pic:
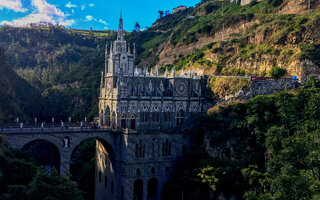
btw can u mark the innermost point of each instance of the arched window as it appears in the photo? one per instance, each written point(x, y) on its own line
point(152, 189)
point(101, 117)
point(166, 148)
point(180, 117)
point(140, 149)
point(167, 169)
point(113, 120)
point(123, 121)
point(153, 170)
point(133, 122)
point(167, 116)
point(138, 190)
point(156, 116)
point(138, 172)
point(108, 120)
point(144, 116)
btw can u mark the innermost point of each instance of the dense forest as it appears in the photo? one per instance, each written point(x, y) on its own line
point(264, 148)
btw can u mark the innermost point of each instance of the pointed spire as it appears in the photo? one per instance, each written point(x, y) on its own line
point(166, 72)
point(136, 72)
point(120, 30)
point(174, 71)
point(106, 59)
point(101, 83)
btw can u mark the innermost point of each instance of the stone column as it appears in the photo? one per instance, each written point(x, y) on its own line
point(64, 167)
point(145, 189)
point(65, 161)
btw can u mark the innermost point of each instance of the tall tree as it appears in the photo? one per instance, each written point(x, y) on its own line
point(136, 27)
point(160, 13)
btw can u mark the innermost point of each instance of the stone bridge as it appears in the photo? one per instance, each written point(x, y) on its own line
point(129, 165)
point(64, 141)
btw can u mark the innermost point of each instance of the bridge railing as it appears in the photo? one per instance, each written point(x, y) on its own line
point(48, 127)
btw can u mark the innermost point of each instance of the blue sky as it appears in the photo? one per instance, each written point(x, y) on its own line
point(83, 14)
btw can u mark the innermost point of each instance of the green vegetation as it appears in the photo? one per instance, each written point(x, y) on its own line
point(21, 178)
point(265, 148)
point(276, 72)
point(83, 167)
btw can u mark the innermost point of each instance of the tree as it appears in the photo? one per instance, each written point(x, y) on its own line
point(160, 13)
point(136, 27)
point(50, 186)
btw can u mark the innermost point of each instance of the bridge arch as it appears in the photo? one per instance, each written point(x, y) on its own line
point(45, 152)
point(49, 140)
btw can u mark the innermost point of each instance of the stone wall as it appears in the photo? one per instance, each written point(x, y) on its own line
point(260, 87)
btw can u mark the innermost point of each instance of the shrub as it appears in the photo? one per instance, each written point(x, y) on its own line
point(277, 72)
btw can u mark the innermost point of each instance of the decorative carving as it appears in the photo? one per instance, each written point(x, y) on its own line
point(181, 88)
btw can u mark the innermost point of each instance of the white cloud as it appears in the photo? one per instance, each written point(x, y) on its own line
point(44, 13)
point(83, 6)
point(44, 7)
point(70, 5)
point(89, 18)
point(103, 22)
point(32, 18)
point(91, 4)
point(15, 5)
point(68, 22)
point(72, 11)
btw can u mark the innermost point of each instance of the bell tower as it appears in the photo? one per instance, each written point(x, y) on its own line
point(120, 60)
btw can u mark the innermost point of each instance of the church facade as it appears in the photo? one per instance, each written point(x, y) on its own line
point(133, 104)
point(134, 99)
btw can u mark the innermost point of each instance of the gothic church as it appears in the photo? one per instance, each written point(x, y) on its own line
point(134, 99)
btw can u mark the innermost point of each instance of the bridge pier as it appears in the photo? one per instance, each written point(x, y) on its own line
point(64, 168)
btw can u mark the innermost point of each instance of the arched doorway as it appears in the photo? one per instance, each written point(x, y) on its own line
point(123, 121)
point(180, 117)
point(152, 189)
point(138, 190)
point(133, 122)
point(44, 153)
point(108, 121)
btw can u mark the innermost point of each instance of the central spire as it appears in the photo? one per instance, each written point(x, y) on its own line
point(120, 30)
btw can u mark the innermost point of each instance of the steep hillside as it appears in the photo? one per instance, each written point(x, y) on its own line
point(228, 38)
point(64, 65)
point(17, 97)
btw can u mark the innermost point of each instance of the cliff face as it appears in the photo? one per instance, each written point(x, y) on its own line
point(168, 53)
point(251, 40)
